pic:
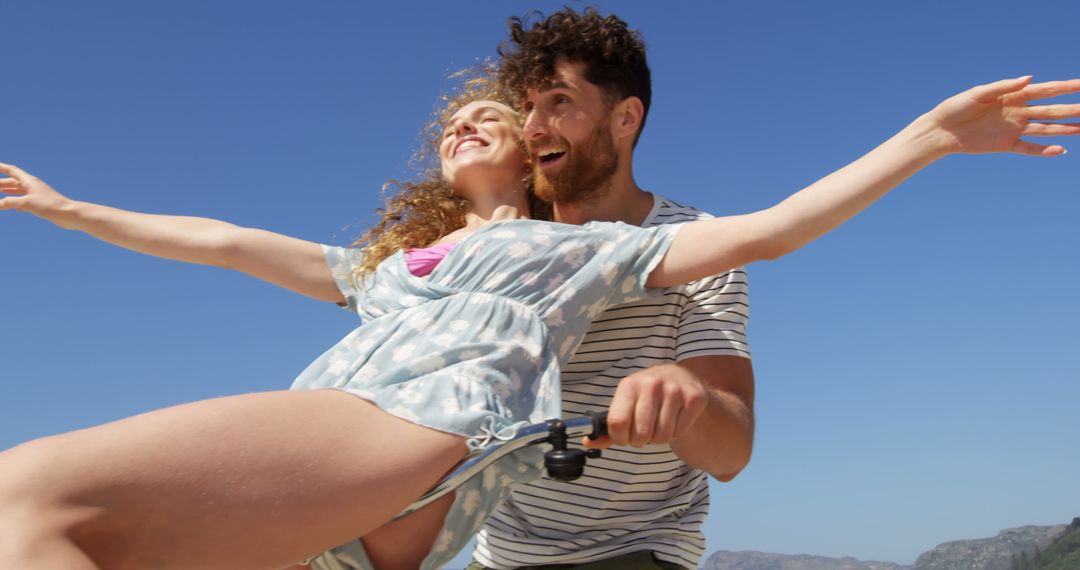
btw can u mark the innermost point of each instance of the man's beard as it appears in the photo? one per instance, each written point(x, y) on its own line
point(587, 174)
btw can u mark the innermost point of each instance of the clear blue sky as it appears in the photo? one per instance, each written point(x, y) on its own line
point(918, 377)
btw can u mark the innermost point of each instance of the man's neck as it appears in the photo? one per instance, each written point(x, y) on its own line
point(623, 202)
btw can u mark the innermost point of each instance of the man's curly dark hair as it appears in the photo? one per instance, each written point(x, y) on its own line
point(613, 54)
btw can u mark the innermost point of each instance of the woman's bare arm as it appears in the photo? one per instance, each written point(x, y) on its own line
point(292, 263)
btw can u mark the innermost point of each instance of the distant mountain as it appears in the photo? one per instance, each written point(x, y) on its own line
point(1025, 548)
point(988, 553)
point(751, 560)
point(1062, 554)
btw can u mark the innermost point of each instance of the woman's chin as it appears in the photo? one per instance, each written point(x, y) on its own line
point(487, 175)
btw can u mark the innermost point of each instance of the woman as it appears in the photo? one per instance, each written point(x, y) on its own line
point(263, 480)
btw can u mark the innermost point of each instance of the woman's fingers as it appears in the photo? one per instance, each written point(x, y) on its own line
point(992, 91)
point(12, 203)
point(15, 172)
point(12, 186)
point(1033, 149)
point(1053, 112)
point(1050, 89)
point(1051, 129)
point(16, 185)
point(1057, 112)
point(25, 192)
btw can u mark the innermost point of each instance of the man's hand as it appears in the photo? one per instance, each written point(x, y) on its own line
point(703, 407)
point(655, 405)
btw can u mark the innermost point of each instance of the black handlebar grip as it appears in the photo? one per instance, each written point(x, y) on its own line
point(599, 422)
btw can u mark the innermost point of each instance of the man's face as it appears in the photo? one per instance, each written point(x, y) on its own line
point(568, 136)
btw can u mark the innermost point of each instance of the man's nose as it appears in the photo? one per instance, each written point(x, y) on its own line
point(535, 125)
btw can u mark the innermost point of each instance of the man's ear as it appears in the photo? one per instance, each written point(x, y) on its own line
point(626, 117)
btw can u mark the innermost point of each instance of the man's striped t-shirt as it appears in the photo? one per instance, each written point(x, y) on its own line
point(631, 499)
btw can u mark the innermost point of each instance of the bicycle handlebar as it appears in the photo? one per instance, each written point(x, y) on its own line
point(562, 463)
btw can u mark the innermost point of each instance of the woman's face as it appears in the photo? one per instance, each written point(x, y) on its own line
point(482, 141)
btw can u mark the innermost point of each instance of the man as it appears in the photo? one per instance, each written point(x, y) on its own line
point(674, 369)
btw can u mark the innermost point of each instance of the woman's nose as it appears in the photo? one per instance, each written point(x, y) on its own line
point(465, 128)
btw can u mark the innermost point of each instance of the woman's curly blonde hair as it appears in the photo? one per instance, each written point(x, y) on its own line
point(425, 208)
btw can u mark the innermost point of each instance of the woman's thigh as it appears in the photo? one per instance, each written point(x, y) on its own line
point(252, 481)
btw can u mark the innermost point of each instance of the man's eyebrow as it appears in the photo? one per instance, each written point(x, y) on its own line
point(549, 85)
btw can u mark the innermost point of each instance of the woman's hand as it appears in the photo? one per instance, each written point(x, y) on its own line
point(28, 193)
point(993, 117)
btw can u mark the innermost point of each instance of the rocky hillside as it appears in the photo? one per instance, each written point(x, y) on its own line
point(998, 553)
point(1062, 554)
point(988, 553)
point(750, 560)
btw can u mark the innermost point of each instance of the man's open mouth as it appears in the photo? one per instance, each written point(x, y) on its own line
point(549, 157)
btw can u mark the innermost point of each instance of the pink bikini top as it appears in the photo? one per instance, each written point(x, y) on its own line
point(422, 260)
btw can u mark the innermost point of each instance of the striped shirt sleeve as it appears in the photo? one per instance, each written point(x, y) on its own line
point(714, 317)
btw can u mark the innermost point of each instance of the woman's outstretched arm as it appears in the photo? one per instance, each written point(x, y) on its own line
point(292, 263)
point(988, 118)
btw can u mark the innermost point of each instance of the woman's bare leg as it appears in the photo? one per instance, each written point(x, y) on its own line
point(406, 542)
point(255, 481)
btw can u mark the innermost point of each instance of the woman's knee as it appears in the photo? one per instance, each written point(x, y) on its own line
point(25, 474)
point(33, 513)
point(44, 485)
point(47, 480)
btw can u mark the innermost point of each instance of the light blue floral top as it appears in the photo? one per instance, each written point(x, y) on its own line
point(475, 348)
